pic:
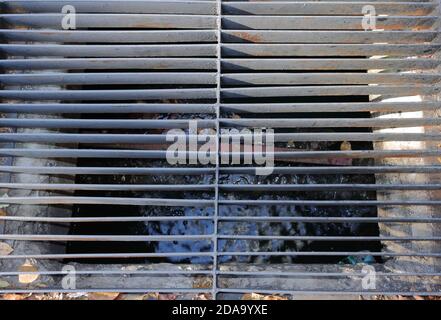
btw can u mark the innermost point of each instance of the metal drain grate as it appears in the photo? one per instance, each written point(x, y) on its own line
point(344, 103)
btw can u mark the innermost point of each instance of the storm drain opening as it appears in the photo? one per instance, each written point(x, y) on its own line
point(232, 186)
point(345, 119)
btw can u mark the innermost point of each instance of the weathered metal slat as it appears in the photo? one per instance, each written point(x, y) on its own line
point(107, 219)
point(162, 138)
point(223, 170)
point(342, 1)
point(112, 170)
point(321, 50)
point(319, 187)
point(325, 8)
point(133, 238)
point(227, 64)
point(178, 78)
point(107, 255)
point(308, 36)
point(254, 219)
point(210, 93)
point(229, 50)
point(343, 90)
point(105, 123)
point(113, 187)
point(162, 154)
point(333, 170)
point(224, 187)
point(111, 21)
point(103, 138)
point(106, 108)
point(243, 64)
point(326, 203)
point(111, 272)
point(325, 22)
point(45, 50)
point(329, 123)
point(208, 254)
point(114, 63)
point(328, 107)
point(330, 292)
point(234, 79)
point(331, 254)
point(250, 219)
point(355, 136)
point(57, 237)
point(325, 238)
point(80, 36)
point(356, 154)
point(120, 95)
point(118, 289)
point(323, 274)
point(115, 6)
point(110, 201)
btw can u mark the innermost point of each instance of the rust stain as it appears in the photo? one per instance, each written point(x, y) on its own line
point(248, 36)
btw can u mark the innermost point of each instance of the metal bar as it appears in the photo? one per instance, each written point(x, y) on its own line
point(161, 138)
point(255, 219)
point(112, 21)
point(57, 237)
point(330, 123)
point(106, 108)
point(119, 290)
point(109, 170)
point(179, 78)
point(322, 238)
point(352, 136)
point(84, 51)
point(104, 123)
point(105, 255)
point(116, 63)
point(319, 187)
point(117, 36)
point(324, 64)
point(333, 253)
point(243, 219)
point(356, 154)
point(109, 200)
point(325, 203)
point(321, 50)
point(112, 187)
point(214, 284)
point(161, 154)
point(207, 254)
point(223, 273)
point(97, 138)
point(331, 292)
point(223, 170)
point(313, 36)
point(122, 272)
point(246, 79)
point(325, 22)
point(336, 170)
point(326, 8)
point(203, 123)
point(115, 6)
point(325, 274)
point(328, 107)
point(149, 94)
point(299, 91)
